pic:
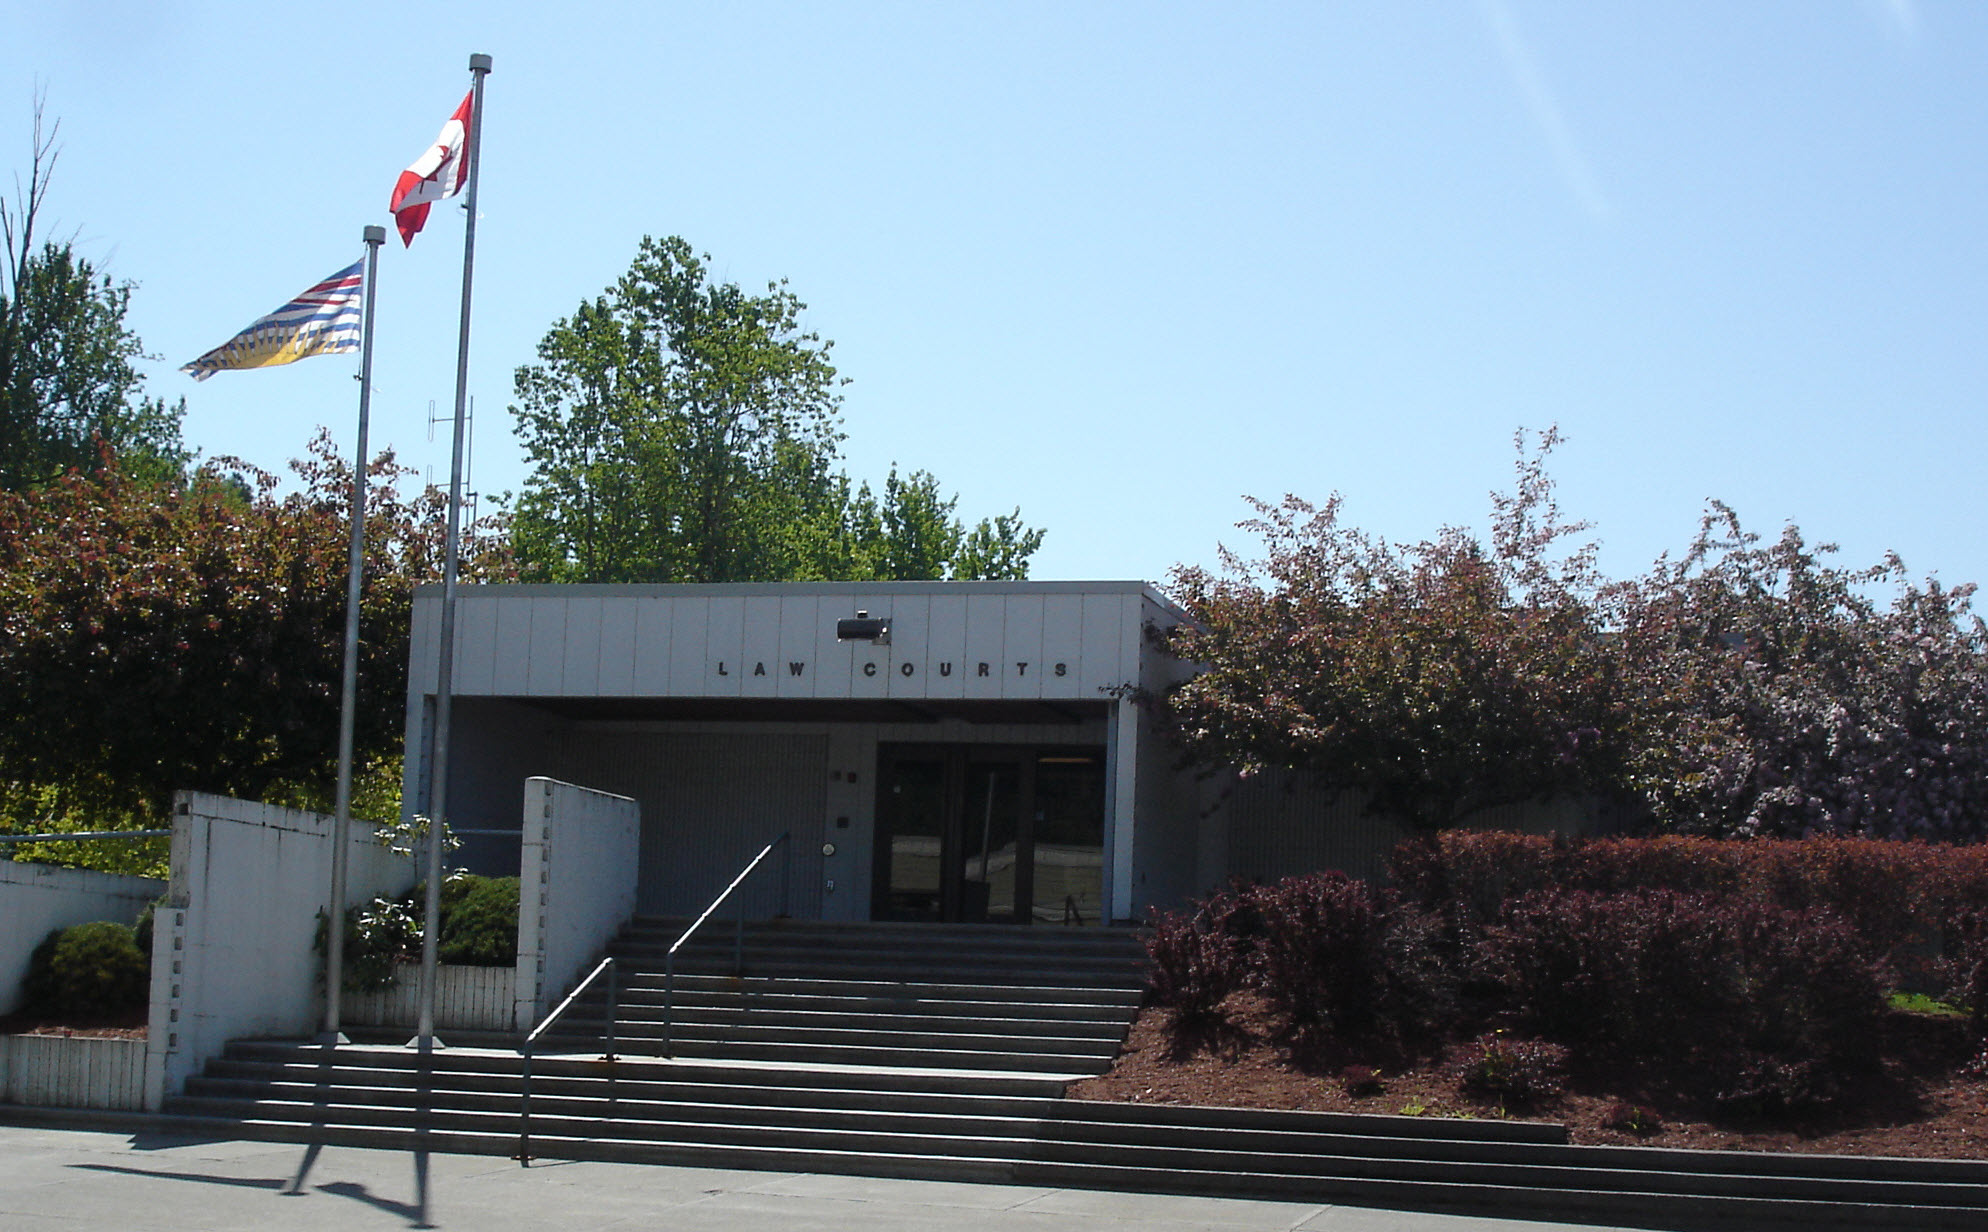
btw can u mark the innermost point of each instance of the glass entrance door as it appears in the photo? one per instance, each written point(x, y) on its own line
point(964, 832)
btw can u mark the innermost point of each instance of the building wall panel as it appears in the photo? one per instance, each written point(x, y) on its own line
point(708, 802)
point(545, 652)
point(580, 649)
point(724, 642)
point(800, 617)
point(620, 628)
point(911, 647)
point(1021, 666)
point(986, 641)
point(476, 647)
point(945, 642)
point(511, 667)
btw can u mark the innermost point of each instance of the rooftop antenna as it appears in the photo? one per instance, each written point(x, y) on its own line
point(469, 451)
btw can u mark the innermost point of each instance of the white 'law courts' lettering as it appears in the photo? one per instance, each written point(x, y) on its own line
point(903, 669)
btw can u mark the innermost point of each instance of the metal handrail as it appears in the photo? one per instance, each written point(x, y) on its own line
point(606, 965)
point(738, 936)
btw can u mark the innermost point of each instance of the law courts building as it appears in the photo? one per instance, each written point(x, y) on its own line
point(943, 751)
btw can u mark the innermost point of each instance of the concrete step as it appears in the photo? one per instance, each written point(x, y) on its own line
point(989, 954)
point(638, 1121)
point(930, 1055)
point(988, 971)
point(1053, 1000)
point(378, 1087)
point(831, 1119)
point(1602, 1204)
point(790, 1082)
point(1006, 1035)
point(1106, 1033)
point(843, 1000)
point(724, 927)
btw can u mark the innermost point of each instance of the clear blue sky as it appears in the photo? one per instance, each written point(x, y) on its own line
point(1122, 263)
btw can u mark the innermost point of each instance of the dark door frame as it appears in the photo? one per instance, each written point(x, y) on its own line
point(953, 903)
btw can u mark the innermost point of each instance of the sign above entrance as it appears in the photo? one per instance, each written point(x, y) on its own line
point(1010, 641)
point(983, 670)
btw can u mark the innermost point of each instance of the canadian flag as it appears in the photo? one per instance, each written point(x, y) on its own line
point(435, 176)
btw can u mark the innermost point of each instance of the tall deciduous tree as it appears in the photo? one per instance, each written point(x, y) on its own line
point(155, 638)
point(682, 429)
point(1770, 693)
point(1439, 679)
point(67, 374)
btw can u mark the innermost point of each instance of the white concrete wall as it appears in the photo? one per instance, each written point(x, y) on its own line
point(576, 887)
point(232, 952)
point(52, 1071)
point(37, 899)
point(466, 999)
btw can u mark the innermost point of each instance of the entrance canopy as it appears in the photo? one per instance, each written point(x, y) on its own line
point(735, 712)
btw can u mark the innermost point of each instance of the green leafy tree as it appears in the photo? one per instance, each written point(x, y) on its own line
point(154, 639)
point(681, 429)
point(67, 361)
point(912, 534)
point(1439, 679)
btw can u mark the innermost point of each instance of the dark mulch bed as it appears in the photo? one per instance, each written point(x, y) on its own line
point(1918, 1100)
point(128, 1025)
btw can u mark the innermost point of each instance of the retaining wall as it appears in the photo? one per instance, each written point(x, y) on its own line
point(53, 1071)
point(581, 856)
point(232, 953)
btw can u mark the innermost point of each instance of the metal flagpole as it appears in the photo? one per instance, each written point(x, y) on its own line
point(341, 830)
point(438, 761)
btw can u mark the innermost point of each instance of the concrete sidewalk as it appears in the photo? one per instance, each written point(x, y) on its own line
point(72, 1180)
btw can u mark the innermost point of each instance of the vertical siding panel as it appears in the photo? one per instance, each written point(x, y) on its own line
point(759, 653)
point(984, 644)
point(945, 642)
point(546, 648)
point(421, 643)
point(512, 667)
point(654, 633)
point(1280, 825)
point(1021, 643)
point(580, 649)
point(1103, 665)
point(476, 645)
point(869, 667)
point(910, 646)
point(724, 642)
point(617, 658)
point(691, 666)
point(800, 627)
point(1063, 642)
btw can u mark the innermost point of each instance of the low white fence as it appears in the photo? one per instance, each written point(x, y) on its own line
point(54, 1071)
point(466, 998)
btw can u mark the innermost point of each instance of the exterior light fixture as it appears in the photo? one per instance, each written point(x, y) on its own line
point(863, 628)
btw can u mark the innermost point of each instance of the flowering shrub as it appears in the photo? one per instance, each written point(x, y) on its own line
point(1966, 967)
point(1632, 1119)
point(1759, 993)
point(1192, 963)
point(1360, 1081)
point(1515, 1072)
point(1900, 897)
point(1329, 951)
point(479, 928)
